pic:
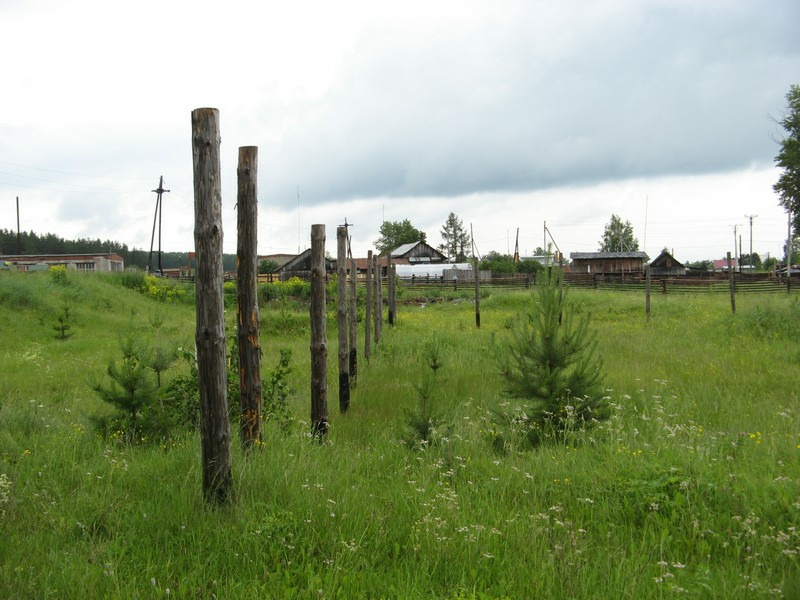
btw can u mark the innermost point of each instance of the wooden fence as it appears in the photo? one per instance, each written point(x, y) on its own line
point(758, 283)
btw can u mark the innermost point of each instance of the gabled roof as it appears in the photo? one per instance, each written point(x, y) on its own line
point(606, 255)
point(418, 252)
point(302, 262)
point(664, 258)
point(404, 249)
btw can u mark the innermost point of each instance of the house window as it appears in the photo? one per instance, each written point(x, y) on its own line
point(85, 267)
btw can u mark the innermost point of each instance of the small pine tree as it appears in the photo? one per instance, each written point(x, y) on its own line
point(131, 387)
point(63, 323)
point(550, 360)
point(423, 427)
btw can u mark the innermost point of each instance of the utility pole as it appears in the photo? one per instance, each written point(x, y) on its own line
point(735, 242)
point(740, 253)
point(156, 218)
point(751, 217)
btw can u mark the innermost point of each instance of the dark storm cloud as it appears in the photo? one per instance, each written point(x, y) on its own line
point(527, 102)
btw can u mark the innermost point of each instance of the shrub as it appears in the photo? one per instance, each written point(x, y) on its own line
point(276, 391)
point(58, 275)
point(133, 280)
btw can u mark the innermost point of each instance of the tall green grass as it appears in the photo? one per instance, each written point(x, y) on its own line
point(691, 488)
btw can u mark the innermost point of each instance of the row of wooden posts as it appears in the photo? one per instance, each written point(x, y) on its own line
point(731, 284)
point(215, 430)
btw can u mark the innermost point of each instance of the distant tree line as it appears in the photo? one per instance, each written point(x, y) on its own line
point(50, 243)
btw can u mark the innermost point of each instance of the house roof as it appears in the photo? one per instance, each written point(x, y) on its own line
point(419, 252)
point(663, 258)
point(302, 262)
point(404, 249)
point(279, 259)
point(606, 255)
point(722, 263)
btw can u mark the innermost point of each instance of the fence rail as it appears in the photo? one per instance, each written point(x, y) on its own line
point(743, 283)
point(746, 283)
point(510, 282)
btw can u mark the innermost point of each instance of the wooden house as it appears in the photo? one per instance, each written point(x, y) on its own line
point(300, 266)
point(605, 263)
point(666, 265)
point(418, 253)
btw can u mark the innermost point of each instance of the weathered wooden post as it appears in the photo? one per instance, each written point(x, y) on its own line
point(376, 270)
point(247, 297)
point(215, 427)
point(393, 293)
point(319, 344)
point(477, 292)
point(390, 287)
point(353, 314)
point(647, 291)
point(341, 313)
point(732, 284)
point(368, 308)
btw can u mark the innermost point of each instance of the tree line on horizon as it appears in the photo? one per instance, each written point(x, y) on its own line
point(32, 243)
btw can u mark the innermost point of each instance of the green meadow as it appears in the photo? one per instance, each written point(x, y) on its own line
point(691, 487)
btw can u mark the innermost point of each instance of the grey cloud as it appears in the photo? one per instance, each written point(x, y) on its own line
point(661, 91)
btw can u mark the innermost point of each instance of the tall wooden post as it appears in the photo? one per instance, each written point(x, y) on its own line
point(789, 253)
point(732, 284)
point(393, 293)
point(390, 287)
point(215, 428)
point(368, 308)
point(319, 344)
point(341, 313)
point(353, 316)
point(647, 291)
point(376, 270)
point(247, 316)
point(477, 292)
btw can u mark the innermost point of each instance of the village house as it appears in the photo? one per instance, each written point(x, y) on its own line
point(608, 263)
point(417, 253)
point(666, 265)
point(721, 265)
point(300, 266)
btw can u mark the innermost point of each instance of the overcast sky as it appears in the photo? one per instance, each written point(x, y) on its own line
point(510, 114)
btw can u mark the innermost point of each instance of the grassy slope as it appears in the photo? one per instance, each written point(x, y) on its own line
point(693, 484)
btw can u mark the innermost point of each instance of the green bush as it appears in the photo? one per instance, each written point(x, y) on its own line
point(291, 288)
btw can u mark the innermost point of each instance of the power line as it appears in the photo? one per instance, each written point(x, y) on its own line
point(4, 162)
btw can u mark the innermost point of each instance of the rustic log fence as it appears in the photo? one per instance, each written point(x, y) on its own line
point(745, 283)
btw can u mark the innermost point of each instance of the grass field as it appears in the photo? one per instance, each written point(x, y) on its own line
point(691, 488)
